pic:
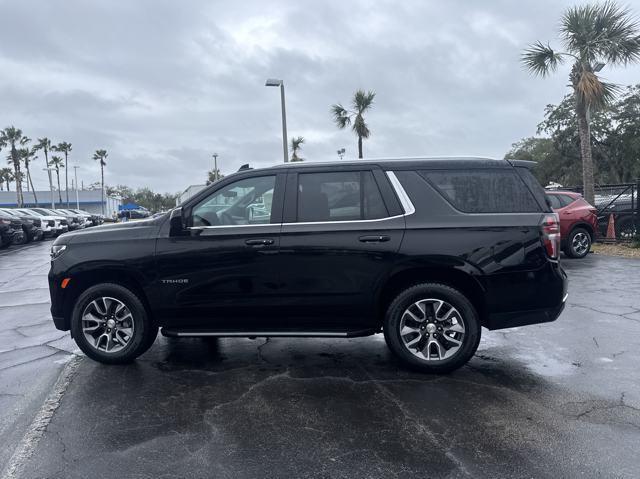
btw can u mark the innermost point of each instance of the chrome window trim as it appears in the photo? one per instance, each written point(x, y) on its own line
point(405, 202)
point(230, 226)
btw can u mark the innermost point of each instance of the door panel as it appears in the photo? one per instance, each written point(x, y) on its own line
point(331, 270)
point(219, 277)
point(329, 274)
point(223, 271)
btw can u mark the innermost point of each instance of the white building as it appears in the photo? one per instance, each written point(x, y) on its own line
point(88, 200)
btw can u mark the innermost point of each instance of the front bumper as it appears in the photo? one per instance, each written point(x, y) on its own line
point(57, 302)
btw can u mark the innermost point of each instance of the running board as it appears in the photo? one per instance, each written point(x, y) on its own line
point(199, 333)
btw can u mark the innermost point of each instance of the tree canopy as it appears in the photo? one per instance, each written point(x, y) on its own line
point(615, 136)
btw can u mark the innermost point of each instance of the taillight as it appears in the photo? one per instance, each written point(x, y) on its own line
point(550, 232)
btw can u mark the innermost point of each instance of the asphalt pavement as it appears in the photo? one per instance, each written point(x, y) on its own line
point(552, 400)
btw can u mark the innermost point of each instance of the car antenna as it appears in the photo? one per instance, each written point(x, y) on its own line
point(245, 167)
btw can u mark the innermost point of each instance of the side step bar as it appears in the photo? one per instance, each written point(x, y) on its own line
point(199, 333)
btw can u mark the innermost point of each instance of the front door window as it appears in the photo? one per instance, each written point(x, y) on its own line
point(244, 202)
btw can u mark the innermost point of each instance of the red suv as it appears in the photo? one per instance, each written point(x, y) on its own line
point(578, 222)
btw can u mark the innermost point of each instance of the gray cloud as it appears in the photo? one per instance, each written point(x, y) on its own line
point(161, 84)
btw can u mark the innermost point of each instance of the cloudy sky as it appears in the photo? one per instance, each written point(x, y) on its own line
point(162, 85)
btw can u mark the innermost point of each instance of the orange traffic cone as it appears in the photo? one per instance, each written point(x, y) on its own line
point(611, 229)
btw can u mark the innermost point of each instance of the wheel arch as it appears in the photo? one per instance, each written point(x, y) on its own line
point(463, 281)
point(82, 280)
point(585, 226)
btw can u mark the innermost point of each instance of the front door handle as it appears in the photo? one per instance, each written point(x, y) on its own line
point(259, 242)
point(374, 239)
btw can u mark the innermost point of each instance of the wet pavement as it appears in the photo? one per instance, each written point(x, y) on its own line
point(554, 400)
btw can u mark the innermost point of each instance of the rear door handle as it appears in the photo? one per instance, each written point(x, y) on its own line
point(259, 242)
point(374, 239)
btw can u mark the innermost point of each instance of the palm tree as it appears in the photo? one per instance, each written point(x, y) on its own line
point(57, 163)
point(296, 145)
point(6, 176)
point(12, 136)
point(65, 148)
point(27, 155)
point(44, 144)
point(592, 35)
point(101, 156)
point(342, 117)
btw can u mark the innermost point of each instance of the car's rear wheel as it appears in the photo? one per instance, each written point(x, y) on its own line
point(578, 243)
point(111, 325)
point(432, 327)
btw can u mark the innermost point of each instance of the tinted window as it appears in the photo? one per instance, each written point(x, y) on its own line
point(566, 200)
point(534, 186)
point(339, 196)
point(244, 202)
point(483, 191)
point(555, 202)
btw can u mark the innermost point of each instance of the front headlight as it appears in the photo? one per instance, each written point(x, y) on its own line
point(57, 250)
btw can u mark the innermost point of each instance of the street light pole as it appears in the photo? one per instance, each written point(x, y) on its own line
point(53, 203)
point(215, 166)
point(75, 172)
point(280, 83)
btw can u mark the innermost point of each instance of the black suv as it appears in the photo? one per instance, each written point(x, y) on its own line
point(426, 251)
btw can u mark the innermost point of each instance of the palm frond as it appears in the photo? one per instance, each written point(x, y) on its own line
point(101, 156)
point(57, 161)
point(340, 116)
point(362, 100)
point(592, 92)
point(541, 59)
point(602, 31)
point(360, 127)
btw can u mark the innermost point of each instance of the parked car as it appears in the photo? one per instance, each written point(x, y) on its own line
point(578, 222)
point(79, 220)
point(624, 207)
point(10, 230)
point(94, 219)
point(426, 251)
point(31, 225)
point(55, 224)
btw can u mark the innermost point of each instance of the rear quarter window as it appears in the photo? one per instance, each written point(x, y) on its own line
point(484, 190)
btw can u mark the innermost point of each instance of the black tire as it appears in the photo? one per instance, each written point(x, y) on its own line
point(576, 249)
point(144, 331)
point(24, 239)
point(406, 298)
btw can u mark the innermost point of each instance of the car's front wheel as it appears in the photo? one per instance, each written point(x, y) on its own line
point(578, 243)
point(111, 325)
point(432, 327)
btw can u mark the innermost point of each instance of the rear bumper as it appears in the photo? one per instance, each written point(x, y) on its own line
point(524, 318)
point(519, 300)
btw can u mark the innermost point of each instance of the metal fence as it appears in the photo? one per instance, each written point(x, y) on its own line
point(619, 201)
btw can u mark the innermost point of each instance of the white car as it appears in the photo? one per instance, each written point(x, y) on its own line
point(52, 225)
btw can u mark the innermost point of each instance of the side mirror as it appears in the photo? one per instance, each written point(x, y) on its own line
point(177, 226)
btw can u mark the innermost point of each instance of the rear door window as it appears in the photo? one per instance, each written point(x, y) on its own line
point(339, 196)
point(483, 190)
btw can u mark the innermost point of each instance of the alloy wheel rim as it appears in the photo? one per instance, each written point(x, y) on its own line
point(107, 324)
point(580, 243)
point(432, 329)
